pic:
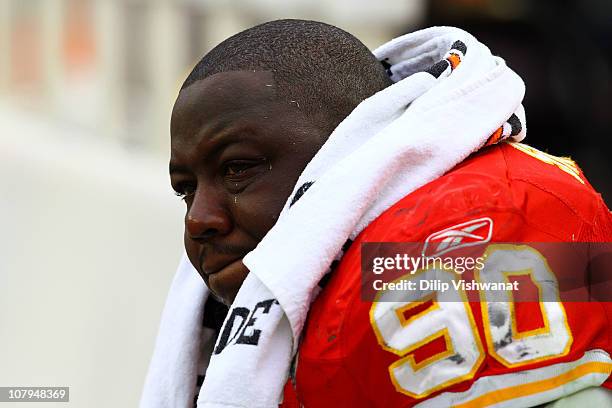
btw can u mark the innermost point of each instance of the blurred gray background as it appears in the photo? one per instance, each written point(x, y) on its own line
point(90, 231)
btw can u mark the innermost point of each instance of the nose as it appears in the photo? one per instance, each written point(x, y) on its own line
point(207, 218)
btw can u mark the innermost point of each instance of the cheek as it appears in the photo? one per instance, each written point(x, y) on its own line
point(256, 212)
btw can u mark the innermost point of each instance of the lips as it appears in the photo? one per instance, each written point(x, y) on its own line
point(221, 268)
point(214, 257)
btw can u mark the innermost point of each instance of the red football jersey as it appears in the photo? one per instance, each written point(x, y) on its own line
point(358, 353)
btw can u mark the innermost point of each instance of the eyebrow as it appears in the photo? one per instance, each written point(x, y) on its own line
point(224, 134)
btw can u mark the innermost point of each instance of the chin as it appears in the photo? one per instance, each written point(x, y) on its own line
point(224, 297)
point(226, 283)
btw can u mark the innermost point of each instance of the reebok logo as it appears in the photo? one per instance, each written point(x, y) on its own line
point(462, 235)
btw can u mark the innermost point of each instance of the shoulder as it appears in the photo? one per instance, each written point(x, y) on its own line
point(512, 181)
point(505, 193)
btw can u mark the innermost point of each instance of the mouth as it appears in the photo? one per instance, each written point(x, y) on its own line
point(214, 257)
point(213, 260)
point(221, 268)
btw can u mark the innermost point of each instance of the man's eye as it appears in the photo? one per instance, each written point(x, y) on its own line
point(238, 174)
point(239, 169)
point(233, 170)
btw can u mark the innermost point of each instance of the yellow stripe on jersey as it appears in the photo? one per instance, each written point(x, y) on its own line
point(536, 387)
point(563, 163)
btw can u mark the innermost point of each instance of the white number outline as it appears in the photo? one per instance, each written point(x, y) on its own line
point(544, 308)
point(406, 355)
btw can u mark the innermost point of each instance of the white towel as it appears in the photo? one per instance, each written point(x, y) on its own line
point(394, 142)
point(171, 380)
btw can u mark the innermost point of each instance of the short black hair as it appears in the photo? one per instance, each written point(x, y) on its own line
point(324, 69)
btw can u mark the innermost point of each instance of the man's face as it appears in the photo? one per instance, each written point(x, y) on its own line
point(236, 153)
